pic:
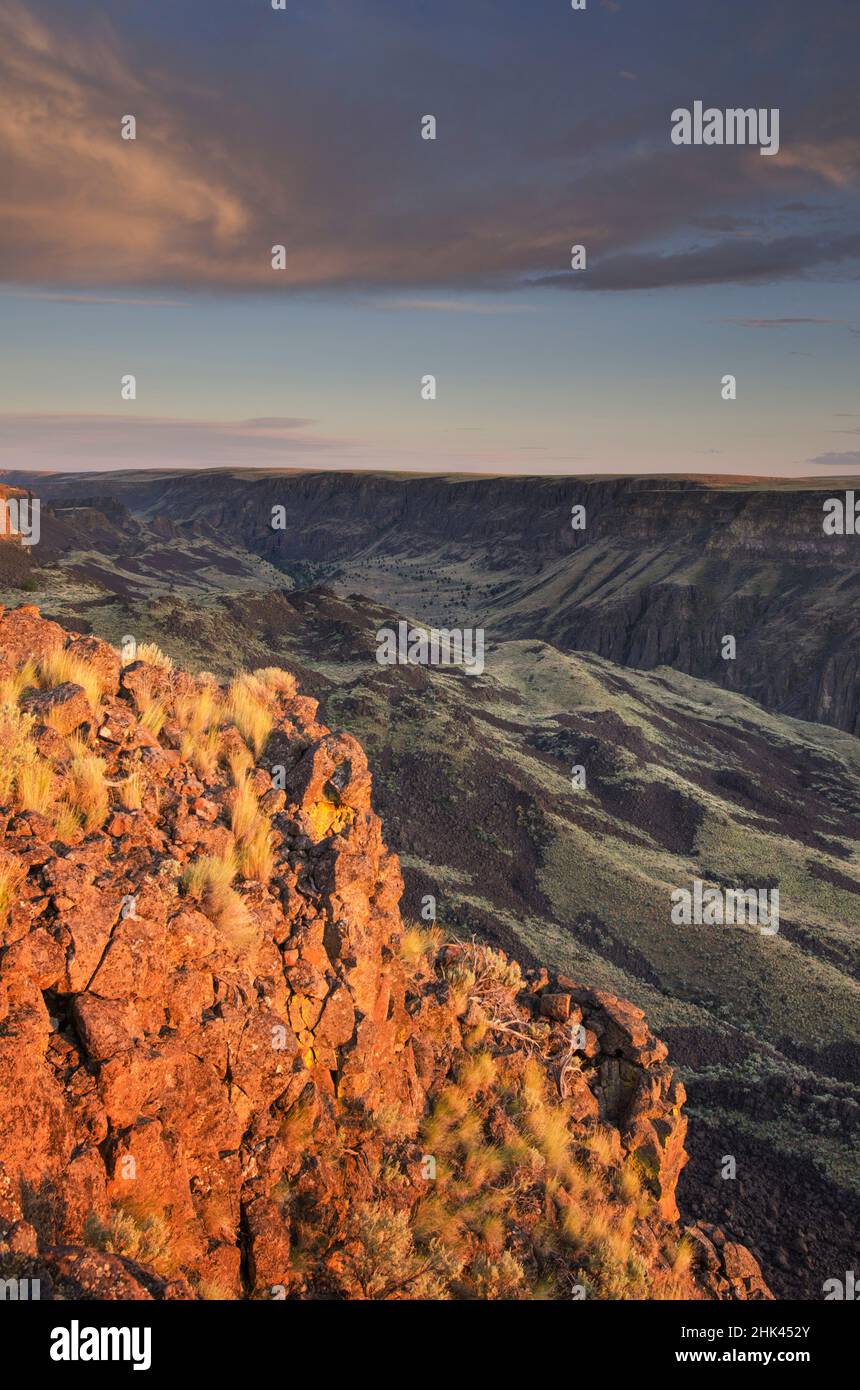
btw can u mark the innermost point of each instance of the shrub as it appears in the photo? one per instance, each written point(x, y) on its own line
point(144, 1238)
point(380, 1260)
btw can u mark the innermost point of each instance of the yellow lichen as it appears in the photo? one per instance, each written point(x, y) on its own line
point(325, 818)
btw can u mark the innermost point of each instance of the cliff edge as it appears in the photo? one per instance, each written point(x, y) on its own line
point(229, 1070)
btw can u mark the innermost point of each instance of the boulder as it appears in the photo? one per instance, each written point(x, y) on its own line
point(63, 709)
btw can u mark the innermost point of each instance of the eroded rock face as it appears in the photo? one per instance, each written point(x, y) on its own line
point(196, 1073)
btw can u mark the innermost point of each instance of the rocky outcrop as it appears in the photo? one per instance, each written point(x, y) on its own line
point(226, 1070)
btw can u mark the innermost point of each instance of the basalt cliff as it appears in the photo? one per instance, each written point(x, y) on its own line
point(228, 1069)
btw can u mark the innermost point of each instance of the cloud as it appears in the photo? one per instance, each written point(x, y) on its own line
point(89, 206)
point(847, 460)
point(141, 301)
point(836, 161)
point(307, 134)
point(791, 322)
point(723, 262)
point(100, 441)
point(458, 306)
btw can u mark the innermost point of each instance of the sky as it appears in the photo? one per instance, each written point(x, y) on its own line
point(408, 257)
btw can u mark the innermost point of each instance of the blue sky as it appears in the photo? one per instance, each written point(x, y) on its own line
point(408, 257)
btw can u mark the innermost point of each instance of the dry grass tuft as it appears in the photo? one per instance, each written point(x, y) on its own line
point(67, 823)
point(12, 687)
point(254, 835)
point(153, 714)
point(248, 706)
point(152, 654)
point(61, 667)
point(198, 711)
point(87, 791)
point(255, 853)
point(131, 790)
point(418, 942)
point(202, 751)
point(273, 678)
point(11, 875)
point(36, 786)
point(246, 809)
point(18, 751)
point(240, 762)
point(208, 881)
point(478, 1072)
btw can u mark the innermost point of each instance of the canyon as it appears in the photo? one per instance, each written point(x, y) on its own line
point(602, 652)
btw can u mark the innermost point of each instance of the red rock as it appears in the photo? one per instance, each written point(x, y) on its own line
point(25, 635)
point(270, 1268)
point(64, 709)
point(105, 1026)
point(101, 657)
point(739, 1263)
point(555, 1006)
point(337, 1021)
point(144, 683)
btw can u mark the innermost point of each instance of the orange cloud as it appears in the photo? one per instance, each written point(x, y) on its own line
point(86, 205)
point(221, 172)
point(835, 161)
